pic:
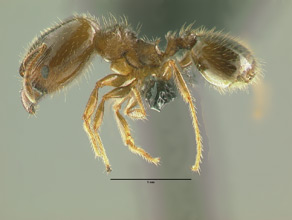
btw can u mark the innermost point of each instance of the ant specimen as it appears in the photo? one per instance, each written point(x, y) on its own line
point(140, 69)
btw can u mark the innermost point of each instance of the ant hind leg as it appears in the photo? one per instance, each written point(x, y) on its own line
point(185, 93)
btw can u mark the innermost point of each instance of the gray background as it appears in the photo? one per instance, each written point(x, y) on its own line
point(48, 170)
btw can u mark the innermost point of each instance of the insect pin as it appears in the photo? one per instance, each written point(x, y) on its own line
point(141, 70)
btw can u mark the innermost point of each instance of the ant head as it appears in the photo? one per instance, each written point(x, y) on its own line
point(56, 58)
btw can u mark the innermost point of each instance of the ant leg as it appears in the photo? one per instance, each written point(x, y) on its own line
point(97, 120)
point(121, 92)
point(126, 135)
point(134, 111)
point(135, 108)
point(110, 80)
point(184, 91)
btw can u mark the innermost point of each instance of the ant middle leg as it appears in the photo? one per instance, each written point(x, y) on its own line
point(110, 80)
point(134, 113)
point(121, 92)
point(135, 108)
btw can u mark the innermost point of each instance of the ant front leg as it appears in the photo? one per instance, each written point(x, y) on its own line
point(185, 93)
point(125, 129)
point(110, 80)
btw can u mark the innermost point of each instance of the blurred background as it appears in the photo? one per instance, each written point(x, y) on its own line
point(47, 167)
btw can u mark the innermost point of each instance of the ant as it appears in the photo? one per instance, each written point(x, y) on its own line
point(140, 70)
